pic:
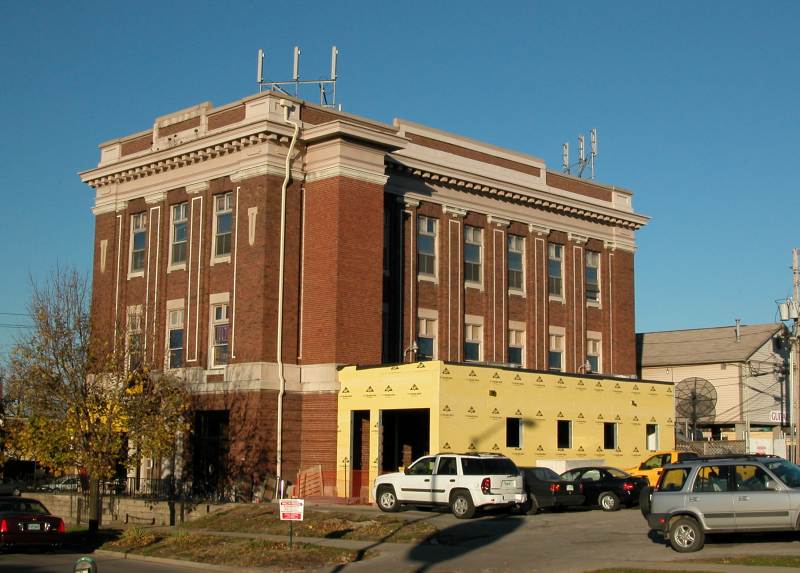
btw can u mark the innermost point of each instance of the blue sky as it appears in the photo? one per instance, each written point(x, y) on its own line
point(695, 104)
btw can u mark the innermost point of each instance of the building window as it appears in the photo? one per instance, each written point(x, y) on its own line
point(516, 347)
point(651, 434)
point(472, 254)
point(180, 217)
point(220, 326)
point(609, 435)
point(516, 268)
point(555, 270)
point(135, 338)
point(592, 276)
point(555, 356)
point(564, 434)
point(223, 213)
point(138, 242)
point(472, 342)
point(513, 432)
point(426, 246)
point(593, 349)
point(426, 339)
point(175, 338)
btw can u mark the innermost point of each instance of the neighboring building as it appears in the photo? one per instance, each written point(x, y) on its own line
point(402, 243)
point(746, 366)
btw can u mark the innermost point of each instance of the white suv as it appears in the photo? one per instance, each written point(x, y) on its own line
point(464, 482)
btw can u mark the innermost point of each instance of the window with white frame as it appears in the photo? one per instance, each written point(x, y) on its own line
point(516, 347)
point(555, 355)
point(175, 338)
point(592, 276)
point(473, 334)
point(138, 242)
point(426, 339)
point(593, 354)
point(555, 270)
point(472, 254)
point(426, 246)
point(223, 224)
point(180, 218)
point(516, 258)
point(220, 334)
point(135, 338)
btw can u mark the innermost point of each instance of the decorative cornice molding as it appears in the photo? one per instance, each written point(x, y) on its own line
point(538, 230)
point(347, 171)
point(199, 187)
point(454, 211)
point(577, 238)
point(408, 202)
point(585, 211)
point(112, 207)
point(155, 198)
point(495, 220)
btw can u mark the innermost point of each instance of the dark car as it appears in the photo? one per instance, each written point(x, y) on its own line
point(610, 488)
point(11, 487)
point(546, 489)
point(25, 521)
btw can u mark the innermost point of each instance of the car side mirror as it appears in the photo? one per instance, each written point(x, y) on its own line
point(770, 485)
point(641, 466)
point(403, 469)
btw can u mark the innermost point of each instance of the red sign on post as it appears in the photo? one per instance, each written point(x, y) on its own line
point(291, 509)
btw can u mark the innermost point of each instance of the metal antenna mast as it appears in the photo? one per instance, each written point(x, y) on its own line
point(327, 87)
point(582, 162)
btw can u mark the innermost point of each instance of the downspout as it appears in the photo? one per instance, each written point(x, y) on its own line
point(279, 350)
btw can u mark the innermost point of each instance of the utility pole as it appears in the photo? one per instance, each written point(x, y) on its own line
point(793, 358)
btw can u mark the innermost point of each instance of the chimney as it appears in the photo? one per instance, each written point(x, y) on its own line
point(738, 333)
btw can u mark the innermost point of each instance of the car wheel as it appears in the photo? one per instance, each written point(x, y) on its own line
point(387, 500)
point(686, 535)
point(644, 501)
point(461, 505)
point(608, 501)
point(16, 492)
point(534, 506)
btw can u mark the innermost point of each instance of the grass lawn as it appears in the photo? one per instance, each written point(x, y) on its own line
point(758, 560)
point(217, 550)
point(333, 525)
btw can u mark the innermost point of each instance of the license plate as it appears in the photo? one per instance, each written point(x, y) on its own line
point(34, 527)
point(508, 483)
point(570, 487)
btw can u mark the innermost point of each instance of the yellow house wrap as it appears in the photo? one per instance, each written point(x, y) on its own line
point(479, 408)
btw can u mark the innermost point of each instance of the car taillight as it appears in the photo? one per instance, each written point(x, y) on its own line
point(555, 487)
point(3, 526)
point(486, 485)
point(61, 528)
point(628, 486)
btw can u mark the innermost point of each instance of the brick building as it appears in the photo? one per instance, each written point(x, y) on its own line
point(401, 243)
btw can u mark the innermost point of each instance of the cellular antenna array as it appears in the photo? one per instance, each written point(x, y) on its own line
point(327, 87)
point(582, 162)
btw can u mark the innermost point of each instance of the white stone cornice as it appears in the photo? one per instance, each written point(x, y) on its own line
point(495, 220)
point(538, 230)
point(346, 171)
point(408, 202)
point(155, 198)
point(111, 207)
point(577, 238)
point(198, 187)
point(454, 211)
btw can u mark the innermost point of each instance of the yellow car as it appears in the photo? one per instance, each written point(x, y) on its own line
point(652, 467)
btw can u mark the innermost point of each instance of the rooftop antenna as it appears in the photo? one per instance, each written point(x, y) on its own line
point(582, 162)
point(327, 87)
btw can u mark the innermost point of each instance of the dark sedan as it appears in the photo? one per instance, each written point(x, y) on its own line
point(546, 489)
point(610, 488)
point(25, 521)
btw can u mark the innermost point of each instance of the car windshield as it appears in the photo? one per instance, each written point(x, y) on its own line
point(617, 473)
point(788, 472)
point(488, 466)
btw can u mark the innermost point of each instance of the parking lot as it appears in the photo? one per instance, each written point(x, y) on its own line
point(569, 541)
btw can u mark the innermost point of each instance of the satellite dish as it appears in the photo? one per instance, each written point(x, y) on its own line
point(695, 401)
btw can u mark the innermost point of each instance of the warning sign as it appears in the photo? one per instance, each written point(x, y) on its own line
point(292, 509)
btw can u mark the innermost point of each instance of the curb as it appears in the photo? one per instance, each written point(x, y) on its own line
point(180, 562)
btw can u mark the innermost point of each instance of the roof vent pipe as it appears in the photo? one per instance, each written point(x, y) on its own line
point(738, 332)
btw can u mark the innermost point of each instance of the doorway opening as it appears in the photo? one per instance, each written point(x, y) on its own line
point(405, 436)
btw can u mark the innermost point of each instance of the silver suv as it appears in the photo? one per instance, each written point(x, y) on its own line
point(464, 482)
point(719, 495)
